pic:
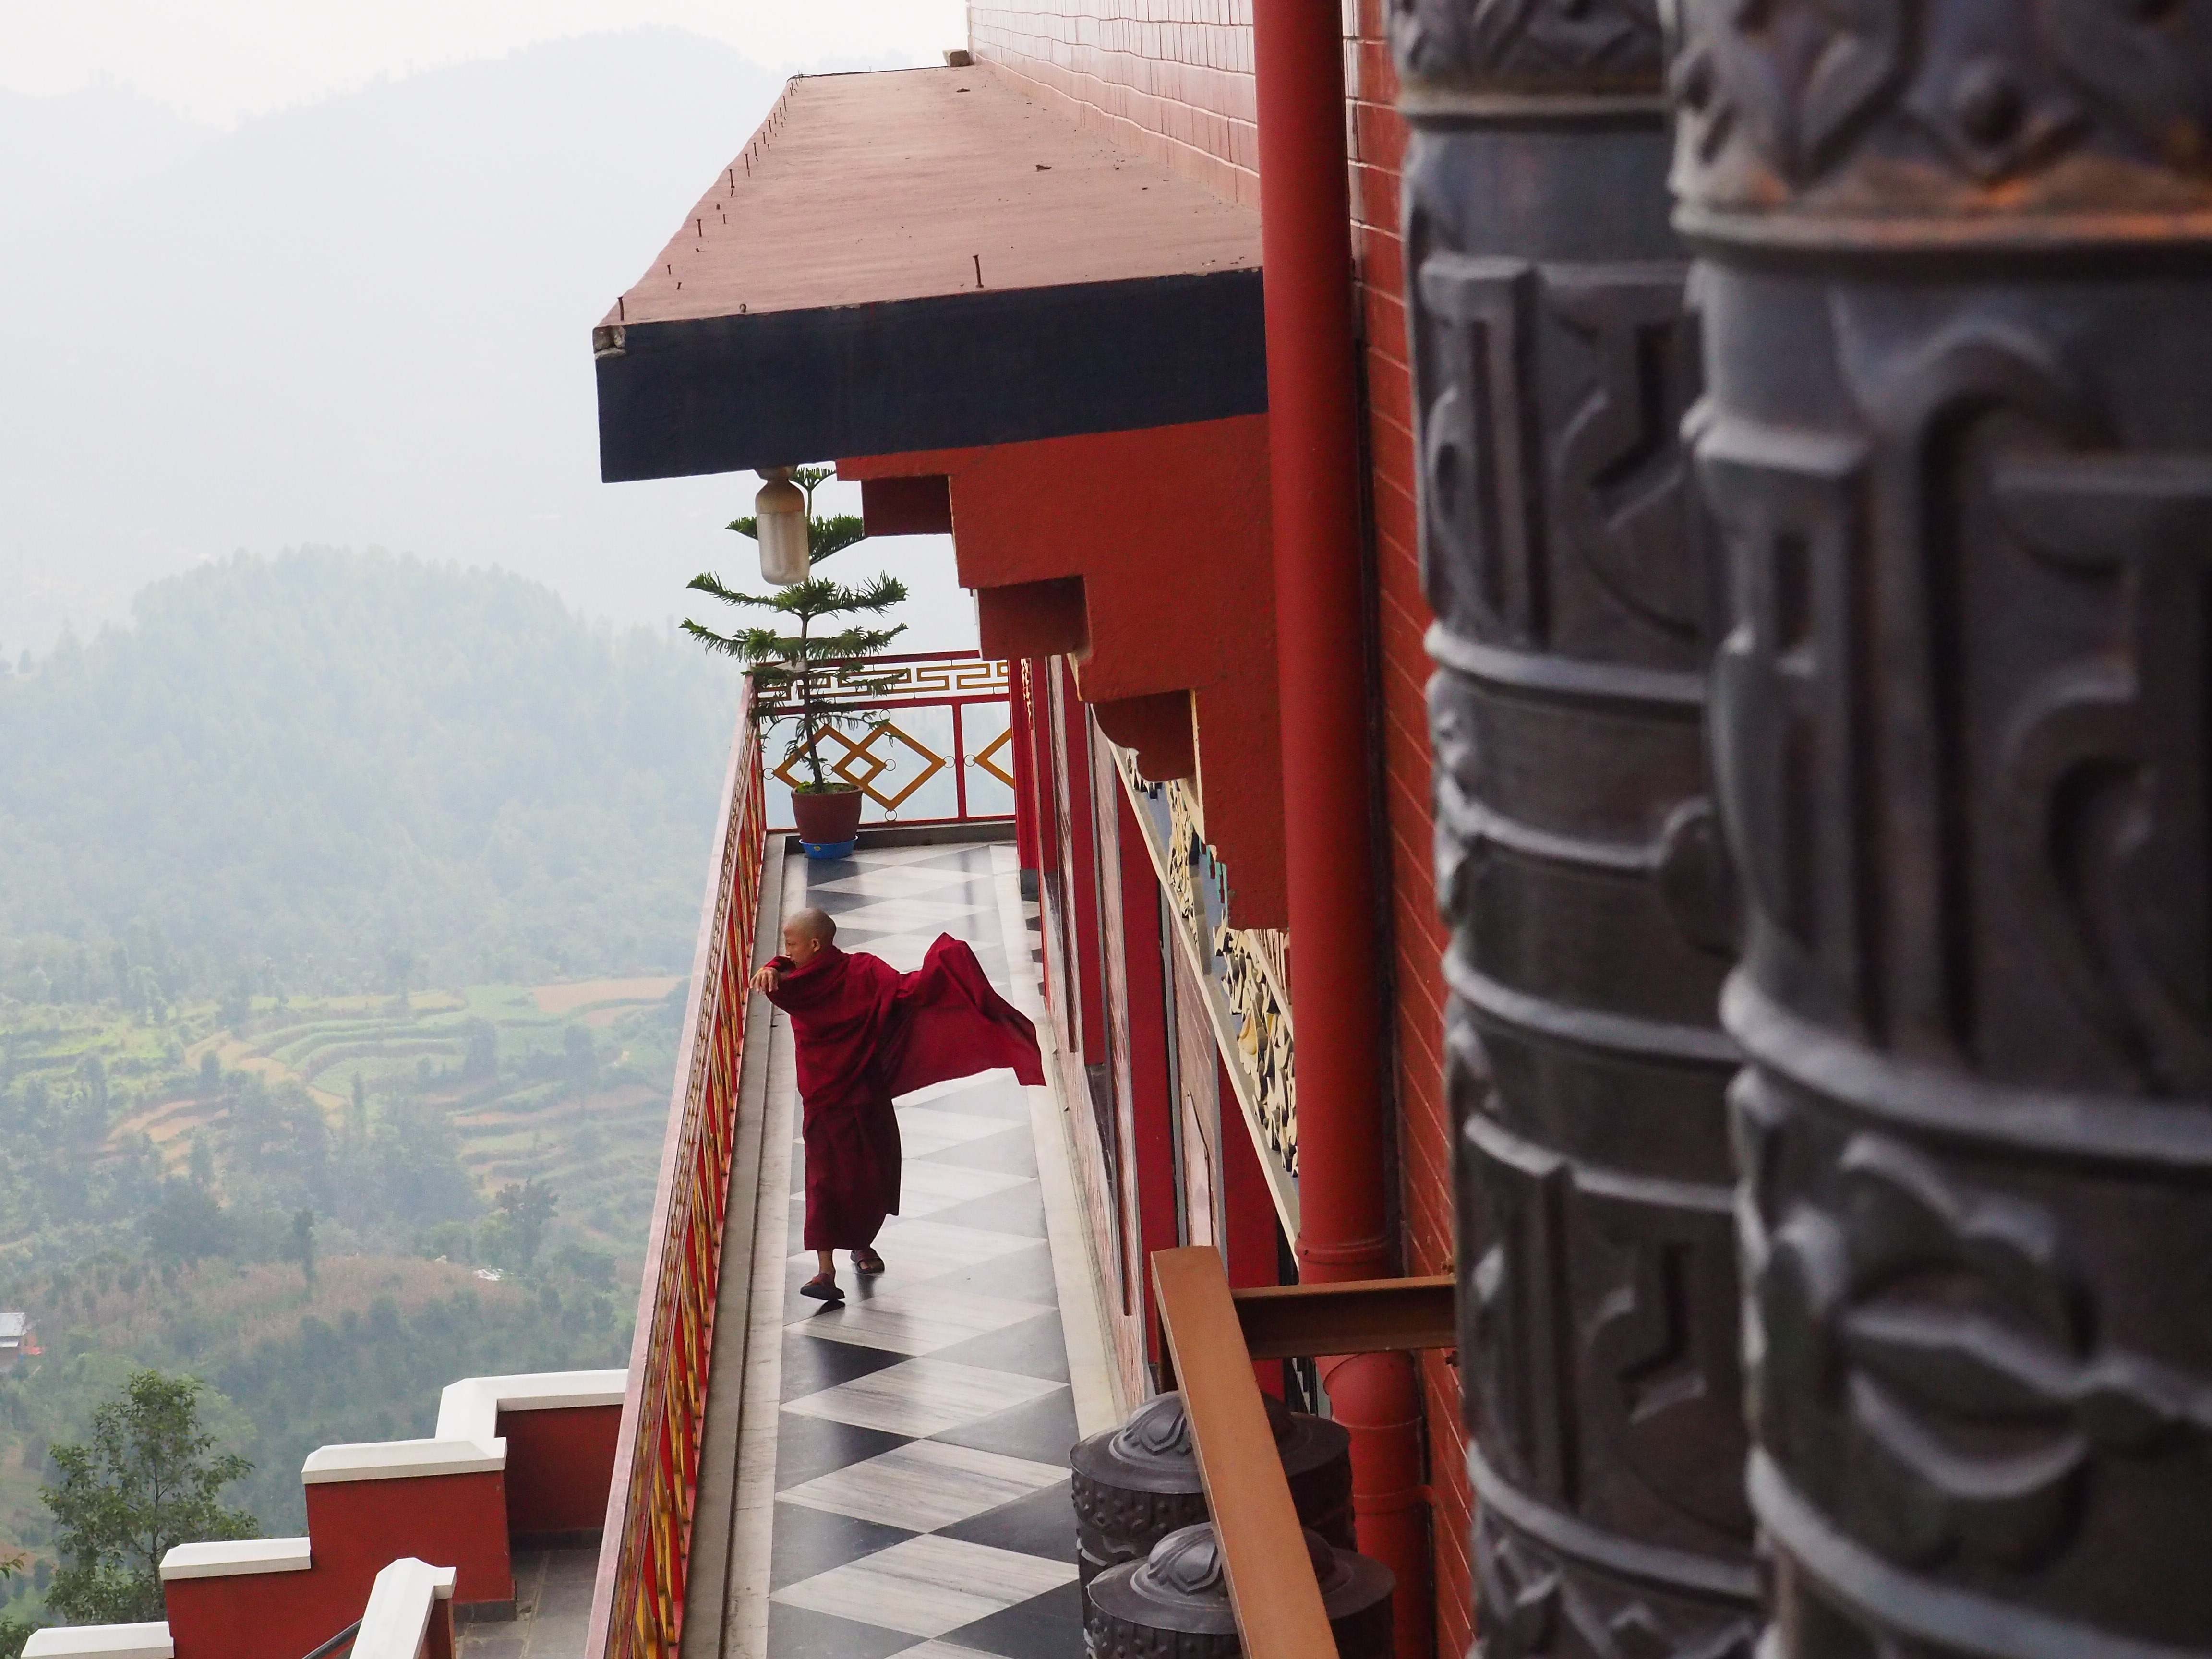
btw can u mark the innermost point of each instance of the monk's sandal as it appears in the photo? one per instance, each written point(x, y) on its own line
point(867, 1261)
point(823, 1287)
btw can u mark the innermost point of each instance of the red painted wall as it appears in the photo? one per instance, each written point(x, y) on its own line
point(560, 1464)
point(359, 1528)
point(1127, 518)
point(458, 1520)
point(261, 1615)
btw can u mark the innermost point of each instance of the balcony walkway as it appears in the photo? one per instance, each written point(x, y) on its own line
point(917, 1455)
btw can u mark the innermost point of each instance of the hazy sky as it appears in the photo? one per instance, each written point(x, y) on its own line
point(220, 61)
point(358, 311)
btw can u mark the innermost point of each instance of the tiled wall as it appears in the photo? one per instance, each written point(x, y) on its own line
point(1170, 79)
point(1173, 79)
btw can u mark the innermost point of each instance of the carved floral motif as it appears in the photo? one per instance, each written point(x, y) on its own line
point(1249, 966)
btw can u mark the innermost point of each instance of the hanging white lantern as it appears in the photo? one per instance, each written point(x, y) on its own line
point(780, 526)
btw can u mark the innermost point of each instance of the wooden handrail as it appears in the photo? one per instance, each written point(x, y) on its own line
point(1272, 1588)
point(1367, 1316)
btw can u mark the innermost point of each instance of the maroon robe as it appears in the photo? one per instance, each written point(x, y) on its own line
point(867, 1032)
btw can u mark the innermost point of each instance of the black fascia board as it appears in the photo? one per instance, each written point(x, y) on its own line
point(723, 394)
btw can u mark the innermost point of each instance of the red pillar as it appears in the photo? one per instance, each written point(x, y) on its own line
point(1150, 1175)
point(1312, 405)
point(1025, 770)
point(1086, 1008)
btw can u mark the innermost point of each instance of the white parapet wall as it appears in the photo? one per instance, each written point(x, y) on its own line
point(401, 1460)
point(467, 1440)
point(102, 1642)
point(470, 1409)
point(397, 1618)
point(237, 1557)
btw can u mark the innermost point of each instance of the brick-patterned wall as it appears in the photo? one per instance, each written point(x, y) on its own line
point(1377, 138)
point(1170, 79)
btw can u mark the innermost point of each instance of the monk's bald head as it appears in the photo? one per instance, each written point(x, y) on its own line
point(807, 934)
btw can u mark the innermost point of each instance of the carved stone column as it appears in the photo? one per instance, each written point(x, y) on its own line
point(1577, 852)
point(1958, 296)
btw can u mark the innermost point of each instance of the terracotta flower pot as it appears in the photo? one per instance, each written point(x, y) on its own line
point(828, 819)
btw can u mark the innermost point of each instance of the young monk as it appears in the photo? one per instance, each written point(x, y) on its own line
point(865, 1033)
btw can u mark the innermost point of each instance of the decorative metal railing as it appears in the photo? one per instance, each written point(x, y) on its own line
point(637, 1603)
point(941, 752)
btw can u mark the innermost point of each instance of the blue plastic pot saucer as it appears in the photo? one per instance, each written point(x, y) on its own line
point(830, 849)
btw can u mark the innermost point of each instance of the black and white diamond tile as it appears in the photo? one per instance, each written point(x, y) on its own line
point(925, 1486)
point(922, 1397)
point(921, 1505)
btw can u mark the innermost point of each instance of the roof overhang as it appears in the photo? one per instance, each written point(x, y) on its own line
point(925, 259)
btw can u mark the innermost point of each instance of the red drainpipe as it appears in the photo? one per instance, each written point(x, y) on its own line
point(1305, 215)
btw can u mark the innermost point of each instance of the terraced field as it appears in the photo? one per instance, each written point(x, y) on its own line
point(567, 1083)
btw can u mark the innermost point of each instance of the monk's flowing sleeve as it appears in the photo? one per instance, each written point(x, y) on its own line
point(838, 1005)
point(947, 1021)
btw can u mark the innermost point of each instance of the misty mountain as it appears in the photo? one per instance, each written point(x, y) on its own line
point(286, 770)
point(81, 147)
point(364, 322)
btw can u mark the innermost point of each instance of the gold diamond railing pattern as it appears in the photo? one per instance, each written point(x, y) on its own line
point(982, 762)
point(886, 689)
point(861, 765)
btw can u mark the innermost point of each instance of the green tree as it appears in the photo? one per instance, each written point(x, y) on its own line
point(528, 1207)
point(202, 1163)
point(147, 1479)
point(303, 1246)
point(793, 663)
point(187, 1224)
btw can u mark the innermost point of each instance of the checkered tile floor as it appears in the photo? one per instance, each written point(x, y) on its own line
point(921, 1450)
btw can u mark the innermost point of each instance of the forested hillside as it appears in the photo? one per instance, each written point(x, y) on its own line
point(346, 908)
point(333, 771)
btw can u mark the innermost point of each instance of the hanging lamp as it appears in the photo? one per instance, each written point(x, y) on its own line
point(780, 526)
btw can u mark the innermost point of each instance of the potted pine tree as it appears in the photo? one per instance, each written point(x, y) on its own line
point(827, 808)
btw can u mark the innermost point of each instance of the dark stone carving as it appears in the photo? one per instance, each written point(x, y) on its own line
point(1134, 1485)
point(2029, 116)
point(1174, 1603)
point(1530, 45)
point(1961, 467)
point(1578, 857)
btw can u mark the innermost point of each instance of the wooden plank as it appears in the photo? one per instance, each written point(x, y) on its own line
point(1271, 1586)
point(1372, 1316)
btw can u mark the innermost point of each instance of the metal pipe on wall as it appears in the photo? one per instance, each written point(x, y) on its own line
point(1312, 405)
